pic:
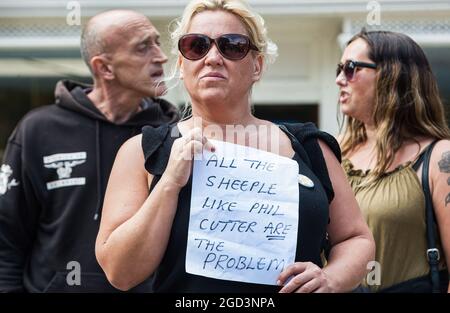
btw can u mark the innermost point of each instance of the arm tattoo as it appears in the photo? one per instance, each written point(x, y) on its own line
point(444, 163)
point(444, 167)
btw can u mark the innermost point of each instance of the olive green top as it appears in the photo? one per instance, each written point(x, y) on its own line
point(394, 208)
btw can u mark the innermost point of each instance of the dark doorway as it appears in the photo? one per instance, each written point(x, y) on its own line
point(440, 64)
point(292, 113)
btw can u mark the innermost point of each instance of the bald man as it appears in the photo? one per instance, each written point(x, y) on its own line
point(59, 158)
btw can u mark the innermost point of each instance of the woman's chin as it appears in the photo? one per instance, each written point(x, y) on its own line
point(346, 109)
point(213, 96)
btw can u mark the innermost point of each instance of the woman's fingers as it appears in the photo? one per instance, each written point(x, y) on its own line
point(306, 277)
point(323, 289)
point(291, 270)
point(190, 149)
point(193, 134)
point(310, 286)
point(194, 142)
point(298, 281)
point(208, 145)
point(184, 149)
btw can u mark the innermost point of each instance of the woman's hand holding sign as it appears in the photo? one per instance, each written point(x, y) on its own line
point(307, 277)
point(183, 150)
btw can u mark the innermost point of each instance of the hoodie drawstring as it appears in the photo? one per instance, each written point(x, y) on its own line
point(99, 170)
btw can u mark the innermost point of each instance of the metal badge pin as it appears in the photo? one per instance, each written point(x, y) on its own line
point(305, 181)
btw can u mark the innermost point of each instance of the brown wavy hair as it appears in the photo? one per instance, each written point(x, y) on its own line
point(407, 102)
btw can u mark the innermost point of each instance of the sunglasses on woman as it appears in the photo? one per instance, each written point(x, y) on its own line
point(231, 46)
point(349, 68)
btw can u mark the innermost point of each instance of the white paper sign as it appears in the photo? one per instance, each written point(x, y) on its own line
point(244, 215)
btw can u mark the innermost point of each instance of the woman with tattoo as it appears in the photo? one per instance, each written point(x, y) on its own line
point(393, 112)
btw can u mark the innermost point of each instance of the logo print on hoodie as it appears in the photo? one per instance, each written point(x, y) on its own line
point(63, 163)
point(5, 183)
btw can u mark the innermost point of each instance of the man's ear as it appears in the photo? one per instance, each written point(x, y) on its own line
point(258, 68)
point(102, 68)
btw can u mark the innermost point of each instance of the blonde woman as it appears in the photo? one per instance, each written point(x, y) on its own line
point(222, 50)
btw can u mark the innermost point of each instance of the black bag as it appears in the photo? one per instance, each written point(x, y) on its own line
point(419, 285)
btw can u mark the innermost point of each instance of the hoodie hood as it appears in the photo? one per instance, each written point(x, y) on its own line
point(72, 96)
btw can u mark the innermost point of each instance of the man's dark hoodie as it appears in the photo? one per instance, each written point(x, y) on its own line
point(52, 183)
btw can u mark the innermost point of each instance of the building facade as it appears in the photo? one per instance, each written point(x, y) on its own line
point(39, 44)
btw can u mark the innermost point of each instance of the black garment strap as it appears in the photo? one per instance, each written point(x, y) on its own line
point(304, 141)
point(419, 160)
point(156, 145)
point(298, 148)
point(433, 254)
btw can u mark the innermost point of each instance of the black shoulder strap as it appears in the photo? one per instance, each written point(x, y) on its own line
point(433, 254)
point(304, 138)
point(420, 159)
point(156, 145)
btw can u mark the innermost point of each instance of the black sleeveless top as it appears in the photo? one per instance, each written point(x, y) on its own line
point(171, 275)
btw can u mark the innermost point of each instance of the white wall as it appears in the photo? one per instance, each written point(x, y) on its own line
point(304, 70)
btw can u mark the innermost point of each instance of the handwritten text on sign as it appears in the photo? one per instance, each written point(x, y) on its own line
point(244, 215)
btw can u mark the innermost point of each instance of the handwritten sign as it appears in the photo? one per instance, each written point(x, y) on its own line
point(244, 214)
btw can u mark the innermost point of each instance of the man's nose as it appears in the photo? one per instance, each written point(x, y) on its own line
point(160, 56)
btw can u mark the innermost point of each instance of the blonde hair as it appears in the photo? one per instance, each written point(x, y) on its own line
point(252, 21)
point(406, 103)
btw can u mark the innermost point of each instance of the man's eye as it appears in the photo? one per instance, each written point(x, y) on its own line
point(142, 47)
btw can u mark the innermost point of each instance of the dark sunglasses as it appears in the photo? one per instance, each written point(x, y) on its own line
point(231, 46)
point(349, 68)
